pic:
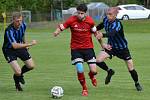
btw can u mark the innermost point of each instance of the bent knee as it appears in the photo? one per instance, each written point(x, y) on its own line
point(99, 60)
point(18, 73)
point(31, 66)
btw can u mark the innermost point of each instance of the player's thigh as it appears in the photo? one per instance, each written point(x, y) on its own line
point(15, 66)
point(102, 56)
point(76, 56)
point(24, 55)
point(10, 55)
point(89, 56)
point(124, 54)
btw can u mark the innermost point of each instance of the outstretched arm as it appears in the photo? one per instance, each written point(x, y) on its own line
point(24, 45)
point(57, 31)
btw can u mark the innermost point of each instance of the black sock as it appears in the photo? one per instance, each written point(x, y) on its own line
point(25, 69)
point(16, 79)
point(102, 65)
point(134, 75)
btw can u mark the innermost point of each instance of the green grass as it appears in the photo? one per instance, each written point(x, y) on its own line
point(53, 67)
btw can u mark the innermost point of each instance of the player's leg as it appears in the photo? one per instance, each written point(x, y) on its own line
point(89, 55)
point(93, 73)
point(125, 55)
point(29, 64)
point(77, 60)
point(134, 74)
point(100, 63)
point(17, 70)
point(81, 77)
point(11, 57)
point(100, 60)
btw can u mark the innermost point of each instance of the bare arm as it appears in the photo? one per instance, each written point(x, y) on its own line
point(101, 42)
point(57, 31)
point(25, 45)
point(104, 45)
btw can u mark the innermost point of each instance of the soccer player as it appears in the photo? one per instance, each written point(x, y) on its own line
point(15, 46)
point(116, 46)
point(81, 44)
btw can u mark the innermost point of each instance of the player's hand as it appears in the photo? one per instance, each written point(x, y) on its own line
point(106, 46)
point(99, 35)
point(33, 42)
point(55, 34)
point(27, 48)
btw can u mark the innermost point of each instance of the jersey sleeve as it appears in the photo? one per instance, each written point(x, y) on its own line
point(100, 26)
point(10, 36)
point(92, 23)
point(66, 24)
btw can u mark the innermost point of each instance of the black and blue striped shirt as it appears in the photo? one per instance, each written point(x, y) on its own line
point(13, 35)
point(114, 32)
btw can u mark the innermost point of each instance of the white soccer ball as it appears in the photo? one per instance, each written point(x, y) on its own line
point(57, 92)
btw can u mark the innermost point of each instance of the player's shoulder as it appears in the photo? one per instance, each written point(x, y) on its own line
point(89, 20)
point(10, 27)
point(105, 18)
point(118, 21)
point(23, 25)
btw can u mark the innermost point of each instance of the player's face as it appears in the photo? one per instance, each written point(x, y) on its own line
point(81, 15)
point(111, 16)
point(17, 22)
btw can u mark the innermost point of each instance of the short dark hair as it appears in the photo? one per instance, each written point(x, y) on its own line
point(82, 7)
point(16, 15)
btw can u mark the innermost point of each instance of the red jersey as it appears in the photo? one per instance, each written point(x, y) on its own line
point(81, 36)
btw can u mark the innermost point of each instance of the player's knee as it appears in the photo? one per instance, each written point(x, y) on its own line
point(98, 60)
point(79, 67)
point(31, 66)
point(18, 73)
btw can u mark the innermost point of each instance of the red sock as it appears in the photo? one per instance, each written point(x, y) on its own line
point(91, 75)
point(82, 81)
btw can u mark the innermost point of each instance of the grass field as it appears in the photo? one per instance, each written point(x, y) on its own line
point(53, 67)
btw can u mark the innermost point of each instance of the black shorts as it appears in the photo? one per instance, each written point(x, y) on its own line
point(81, 55)
point(120, 53)
point(11, 54)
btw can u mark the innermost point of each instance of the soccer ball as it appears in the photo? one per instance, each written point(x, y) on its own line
point(57, 92)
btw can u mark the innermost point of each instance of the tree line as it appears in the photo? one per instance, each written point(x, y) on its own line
point(47, 5)
point(46, 9)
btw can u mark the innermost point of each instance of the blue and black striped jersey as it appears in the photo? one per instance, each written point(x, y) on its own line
point(114, 32)
point(13, 35)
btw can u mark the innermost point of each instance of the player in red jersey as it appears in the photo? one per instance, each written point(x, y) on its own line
point(81, 27)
